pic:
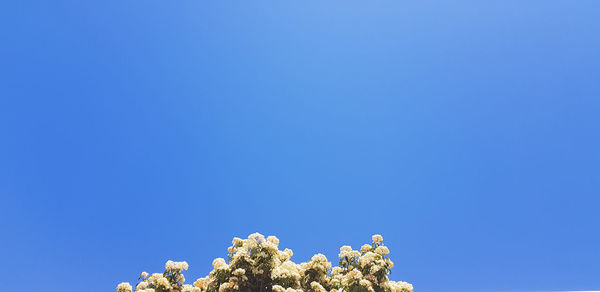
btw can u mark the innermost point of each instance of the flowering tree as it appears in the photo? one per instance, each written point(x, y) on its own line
point(256, 264)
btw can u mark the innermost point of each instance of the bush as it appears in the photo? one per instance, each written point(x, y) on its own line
point(257, 265)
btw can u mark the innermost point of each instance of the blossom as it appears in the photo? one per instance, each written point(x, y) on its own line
point(389, 263)
point(253, 259)
point(163, 283)
point(283, 256)
point(154, 277)
point(336, 271)
point(367, 258)
point(286, 270)
point(237, 241)
point(289, 252)
point(270, 247)
point(141, 286)
point(365, 248)
point(365, 283)
point(172, 266)
point(257, 237)
point(124, 287)
point(377, 238)
point(400, 286)
point(319, 262)
point(345, 251)
point(219, 264)
point(382, 250)
point(374, 269)
point(200, 283)
point(226, 286)
point(352, 277)
point(317, 287)
point(190, 288)
point(274, 240)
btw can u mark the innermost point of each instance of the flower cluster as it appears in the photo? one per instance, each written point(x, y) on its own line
point(256, 264)
point(366, 270)
point(171, 279)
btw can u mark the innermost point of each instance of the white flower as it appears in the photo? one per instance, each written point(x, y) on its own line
point(250, 244)
point(287, 270)
point(190, 288)
point(320, 262)
point(163, 283)
point(365, 283)
point(237, 241)
point(365, 248)
point(382, 250)
point(172, 266)
point(336, 271)
point(282, 256)
point(274, 240)
point(405, 286)
point(270, 247)
point(219, 264)
point(400, 286)
point(154, 277)
point(124, 287)
point(354, 275)
point(377, 238)
point(257, 237)
point(141, 286)
point(367, 258)
point(317, 287)
point(389, 263)
point(319, 258)
point(240, 253)
point(345, 251)
point(226, 286)
point(200, 283)
point(257, 257)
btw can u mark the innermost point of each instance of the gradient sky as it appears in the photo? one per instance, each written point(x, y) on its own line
point(467, 133)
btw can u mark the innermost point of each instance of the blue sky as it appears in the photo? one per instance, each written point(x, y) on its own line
point(467, 133)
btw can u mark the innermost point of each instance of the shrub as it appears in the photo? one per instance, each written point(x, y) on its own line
point(256, 264)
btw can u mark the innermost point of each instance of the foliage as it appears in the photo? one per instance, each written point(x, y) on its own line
point(256, 264)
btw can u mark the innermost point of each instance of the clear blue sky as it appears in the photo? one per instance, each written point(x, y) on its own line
point(466, 132)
